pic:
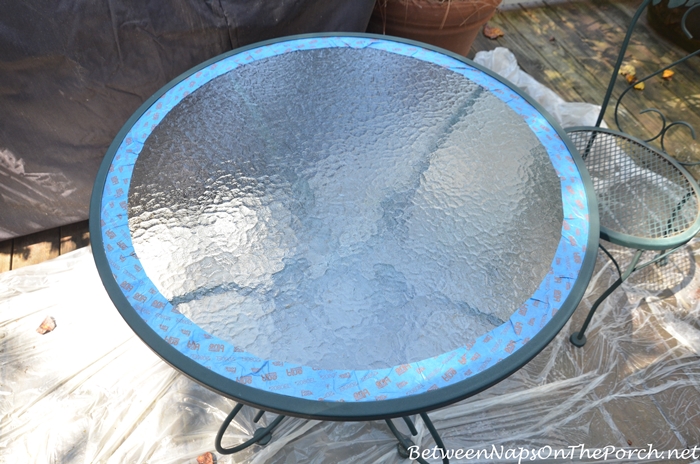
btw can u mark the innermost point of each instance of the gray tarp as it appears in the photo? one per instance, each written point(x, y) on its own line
point(73, 71)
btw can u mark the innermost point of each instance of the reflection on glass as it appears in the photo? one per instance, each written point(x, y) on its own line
point(345, 209)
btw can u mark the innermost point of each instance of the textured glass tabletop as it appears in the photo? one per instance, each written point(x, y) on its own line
point(345, 209)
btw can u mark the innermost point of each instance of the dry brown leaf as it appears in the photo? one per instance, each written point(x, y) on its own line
point(47, 326)
point(492, 32)
point(667, 74)
point(639, 86)
point(206, 458)
point(629, 72)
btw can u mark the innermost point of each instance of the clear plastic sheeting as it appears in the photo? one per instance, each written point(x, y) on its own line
point(90, 391)
point(502, 61)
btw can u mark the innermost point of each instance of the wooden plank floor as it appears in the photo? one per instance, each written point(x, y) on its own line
point(570, 47)
point(41, 246)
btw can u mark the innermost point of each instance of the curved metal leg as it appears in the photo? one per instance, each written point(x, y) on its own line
point(436, 436)
point(612, 259)
point(405, 443)
point(411, 427)
point(578, 339)
point(261, 436)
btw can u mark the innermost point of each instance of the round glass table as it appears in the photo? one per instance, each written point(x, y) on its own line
point(343, 227)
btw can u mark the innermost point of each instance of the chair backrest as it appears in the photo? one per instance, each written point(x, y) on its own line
point(666, 124)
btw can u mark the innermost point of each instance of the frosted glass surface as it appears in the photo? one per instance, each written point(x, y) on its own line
point(344, 209)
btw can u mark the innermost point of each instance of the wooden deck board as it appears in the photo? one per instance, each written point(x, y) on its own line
point(529, 41)
point(42, 246)
point(560, 56)
point(74, 236)
point(35, 248)
point(587, 41)
point(566, 46)
point(649, 52)
point(677, 98)
point(5, 255)
point(664, 51)
point(583, 69)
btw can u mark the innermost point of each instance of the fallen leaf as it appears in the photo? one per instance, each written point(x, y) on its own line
point(631, 78)
point(667, 74)
point(47, 326)
point(206, 458)
point(639, 86)
point(492, 32)
point(627, 69)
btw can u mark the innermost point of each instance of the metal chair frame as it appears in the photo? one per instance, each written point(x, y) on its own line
point(670, 239)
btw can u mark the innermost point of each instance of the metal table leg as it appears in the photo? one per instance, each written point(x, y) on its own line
point(405, 442)
point(261, 436)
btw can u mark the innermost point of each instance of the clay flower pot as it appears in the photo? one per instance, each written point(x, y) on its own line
point(450, 24)
point(667, 22)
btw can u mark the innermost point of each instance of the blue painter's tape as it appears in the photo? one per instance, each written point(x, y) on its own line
point(337, 385)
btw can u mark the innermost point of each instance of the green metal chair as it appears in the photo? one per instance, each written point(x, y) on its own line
point(647, 200)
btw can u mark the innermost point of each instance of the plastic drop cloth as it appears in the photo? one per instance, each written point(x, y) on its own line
point(568, 114)
point(91, 392)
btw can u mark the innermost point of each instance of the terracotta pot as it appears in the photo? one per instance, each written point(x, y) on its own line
point(667, 22)
point(450, 24)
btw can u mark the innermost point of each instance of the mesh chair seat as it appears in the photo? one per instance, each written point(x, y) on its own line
point(646, 200)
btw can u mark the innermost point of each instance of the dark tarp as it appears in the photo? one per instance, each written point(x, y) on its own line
point(73, 71)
